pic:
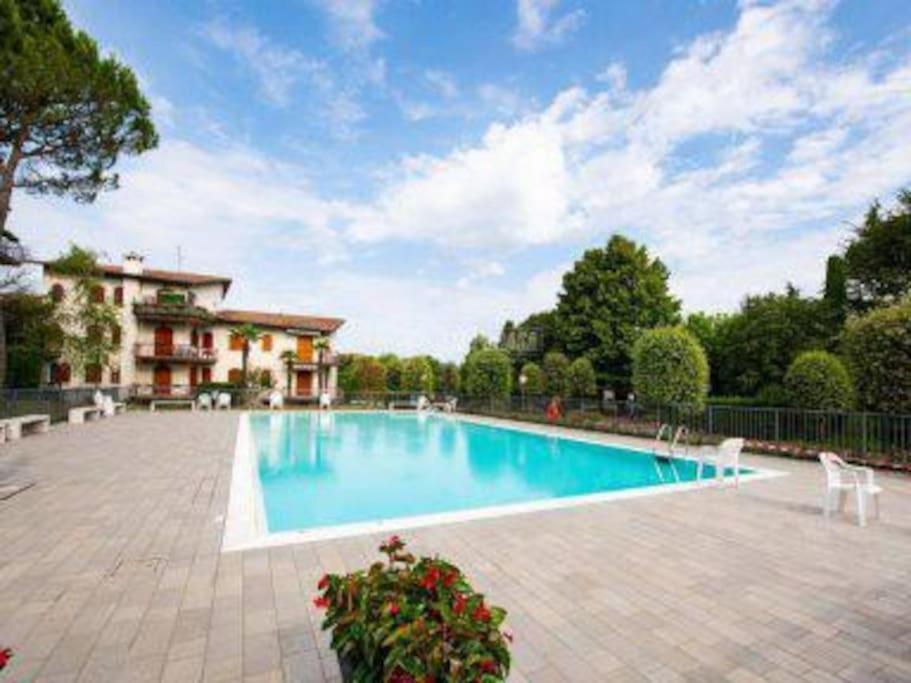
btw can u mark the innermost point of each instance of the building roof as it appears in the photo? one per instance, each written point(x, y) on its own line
point(281, 320)
point(172, 277)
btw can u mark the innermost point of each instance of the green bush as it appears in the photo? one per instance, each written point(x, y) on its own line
point(878, 350)
point(670, 366)
point(580, 379)
point(818, 380)
point(534, 379)
point(556, 370)
point(488, 373)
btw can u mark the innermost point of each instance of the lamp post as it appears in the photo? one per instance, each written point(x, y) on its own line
point(522, 380)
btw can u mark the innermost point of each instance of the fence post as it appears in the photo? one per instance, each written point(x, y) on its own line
point(777, 428)
point(863, 431)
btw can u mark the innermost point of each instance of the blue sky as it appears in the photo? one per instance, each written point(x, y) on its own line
point(427, 169)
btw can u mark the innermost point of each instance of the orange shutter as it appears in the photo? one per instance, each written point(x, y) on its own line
point(305, 349)
point(236, 343)
point(267, 342)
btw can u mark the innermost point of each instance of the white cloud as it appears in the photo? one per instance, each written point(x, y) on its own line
point(614, 75)
point(536, 25)
point(442, 82)
point(218, 205)
point(593, 163)
point(352, 22)
point(277, 69)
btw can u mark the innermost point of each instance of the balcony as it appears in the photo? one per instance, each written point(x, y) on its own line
point(173, 307)
point(175, 353)
point(329, 359)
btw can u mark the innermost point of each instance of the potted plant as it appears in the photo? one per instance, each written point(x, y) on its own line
point(411, 620)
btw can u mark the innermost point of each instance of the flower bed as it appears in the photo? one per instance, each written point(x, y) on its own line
point(411, 620)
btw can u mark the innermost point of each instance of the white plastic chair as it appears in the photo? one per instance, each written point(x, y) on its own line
point(276, 400)
point(98, 399)
point(224, 401)
point(725, 455)
point(204, 402)
point(841, 479)
point(108, 406)
point(325, 401)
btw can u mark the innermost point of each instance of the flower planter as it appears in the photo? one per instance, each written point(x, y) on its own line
point(416, 613)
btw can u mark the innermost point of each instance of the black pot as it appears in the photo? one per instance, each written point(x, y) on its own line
point(347, 666)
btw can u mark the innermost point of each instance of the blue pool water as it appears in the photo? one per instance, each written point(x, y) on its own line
point(337, 468)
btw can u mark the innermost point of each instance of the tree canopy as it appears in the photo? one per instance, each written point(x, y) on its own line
point(488, 373)
point(66, 112)
point(670, 366)
point(878, 258)
point(609, 296)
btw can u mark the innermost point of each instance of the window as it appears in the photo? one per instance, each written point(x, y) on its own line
point(115, 335)
point(60, 373)
point(94, 333)
point(207, 340)
point(93, 373)
point(194, 376)
point(236, 343)
point(235, 375)
point(206, 375)
point(118, 296)
point(57, 293)
point(97, 294)
point(115, 376)
point(267, 342)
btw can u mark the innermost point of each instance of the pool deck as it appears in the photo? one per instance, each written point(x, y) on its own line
point(111, 570)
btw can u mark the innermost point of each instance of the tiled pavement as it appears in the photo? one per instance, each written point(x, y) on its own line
point(110, 570)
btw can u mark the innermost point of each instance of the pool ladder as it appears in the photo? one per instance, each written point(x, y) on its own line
point(682, 434)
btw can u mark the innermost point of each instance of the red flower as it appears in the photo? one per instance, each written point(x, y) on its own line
point(321, 602)
point(393, 540)
point(481, 613)
point(459, 605)
point(431, 578)
point(451, 578)
point(5, 655)
point(393, 608)
point(323, 582)
point(488, 666)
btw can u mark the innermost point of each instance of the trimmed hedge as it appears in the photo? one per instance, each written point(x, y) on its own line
point(488, 373)
point(817, 380)
point(580, 378)
point(670, 367)
point(534, 379)
point(878, 349)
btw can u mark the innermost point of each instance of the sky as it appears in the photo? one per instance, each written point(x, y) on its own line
point(428, 169)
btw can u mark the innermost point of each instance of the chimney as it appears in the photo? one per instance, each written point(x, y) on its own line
point(132, 264)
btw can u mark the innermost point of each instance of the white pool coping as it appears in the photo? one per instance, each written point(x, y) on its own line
point(246, 527)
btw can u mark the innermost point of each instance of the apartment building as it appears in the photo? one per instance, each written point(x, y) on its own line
point(174, 335)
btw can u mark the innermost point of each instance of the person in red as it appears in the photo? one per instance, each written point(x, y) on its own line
point(553, 410)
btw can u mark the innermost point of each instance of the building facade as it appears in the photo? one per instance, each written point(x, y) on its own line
point(174, 336)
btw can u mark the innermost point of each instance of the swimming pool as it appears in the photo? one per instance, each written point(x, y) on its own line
point(319, 475)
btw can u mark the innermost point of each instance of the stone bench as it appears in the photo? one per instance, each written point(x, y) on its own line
point(14, 427)
point(81, 414)
point(189, 402)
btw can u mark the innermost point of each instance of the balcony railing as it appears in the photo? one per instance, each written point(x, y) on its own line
point(329, 358)
point(172, 309)
point(175, 353)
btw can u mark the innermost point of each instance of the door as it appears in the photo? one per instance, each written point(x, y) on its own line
point(207, 340)
point(162, 380)
point(305, 349)
point(194, 376)
point(164, 341)
point(304, 383)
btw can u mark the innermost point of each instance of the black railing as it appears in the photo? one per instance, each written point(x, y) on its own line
point(860, 435)
point(53, 401)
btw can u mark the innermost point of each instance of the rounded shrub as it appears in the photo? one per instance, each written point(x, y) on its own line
point(670, 366)
point(877, 347)
point(817, 380)
point(580, 378)
point(556, 370)
point(534, 379)
point(488, 373)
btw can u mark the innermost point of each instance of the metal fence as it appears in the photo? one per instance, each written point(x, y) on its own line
point(859, 435)
point(52, 401)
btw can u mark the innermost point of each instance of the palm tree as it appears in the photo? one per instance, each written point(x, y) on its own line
point(321, 344)
point(289, 358)
point(248, 334)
